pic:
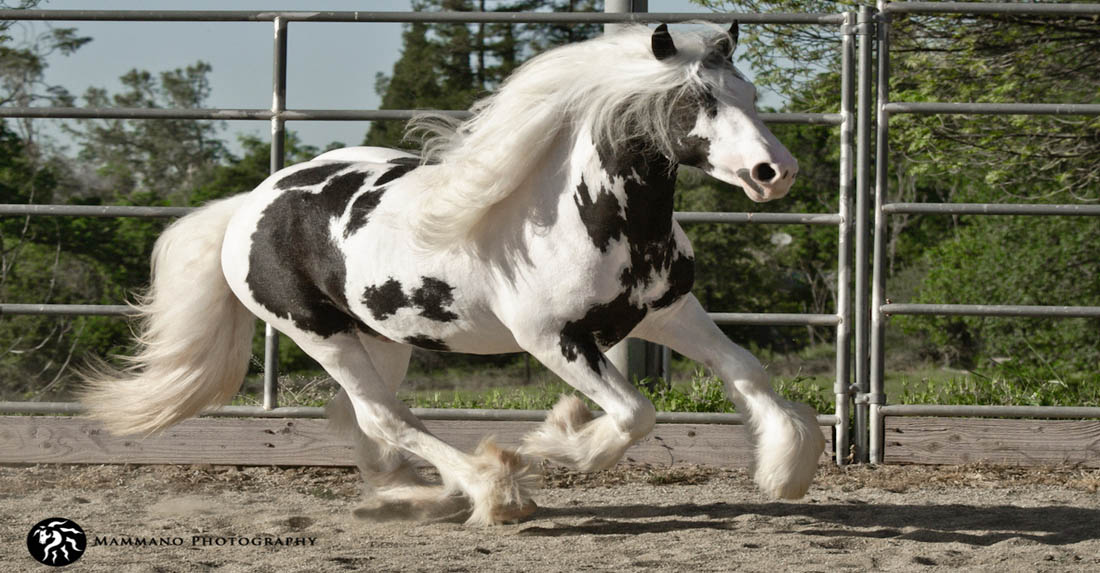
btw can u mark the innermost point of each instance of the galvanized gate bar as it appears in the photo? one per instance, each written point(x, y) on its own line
point(774, 318)
point(277, 159)
point(992, 310)
point(402, 17)
point(990, 209)
point(690, 217)
point(877, 396)
point(15, 309)
point(308, 114)
point(990, 8)
point(993, 108)
point(687, 217)
point(94, 211)
point(842, 394)
point(755, 318)
point(865, 28)
point(72, 408)
point(1050, 412)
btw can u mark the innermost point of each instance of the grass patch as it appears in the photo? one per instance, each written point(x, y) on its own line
point(700, 392)
point(536, 397)
point(976, 388)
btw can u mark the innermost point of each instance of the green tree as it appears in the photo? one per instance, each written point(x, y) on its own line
point(449, 66)
point(161, 159)
point(34, 351)
point(964, 58)
point(1017, 260)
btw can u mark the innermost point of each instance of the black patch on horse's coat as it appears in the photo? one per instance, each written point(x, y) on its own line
point(681, 277)
point(600, 217)
point(294, 269)
point(346, 184)
point(361, 209)
point(603, 325)
point(427, 343)
point(385, 300)
point(310, 175)
point(649, 182)
point(710, 104)
point(694, 151)
point(398, 170)
point(431, 297)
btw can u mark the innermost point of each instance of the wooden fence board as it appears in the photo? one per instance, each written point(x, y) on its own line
point(293, 442)
point(922, 440)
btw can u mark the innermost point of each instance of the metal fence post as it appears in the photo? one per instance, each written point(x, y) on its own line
point(842, 387)
point(278, 153)
point(863, 173)
point(877, 396)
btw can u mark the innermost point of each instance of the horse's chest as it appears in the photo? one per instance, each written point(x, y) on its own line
point(637, 247)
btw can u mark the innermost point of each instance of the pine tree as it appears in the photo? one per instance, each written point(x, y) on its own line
point(449, 66)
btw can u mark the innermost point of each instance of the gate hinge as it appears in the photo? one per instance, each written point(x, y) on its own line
point(876, 398)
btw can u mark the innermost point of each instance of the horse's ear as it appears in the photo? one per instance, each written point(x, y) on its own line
point(663, 47)
point(725, 45)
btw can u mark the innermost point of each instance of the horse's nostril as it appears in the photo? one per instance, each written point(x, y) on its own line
point(763, 173)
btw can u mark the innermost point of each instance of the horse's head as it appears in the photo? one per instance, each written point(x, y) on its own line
point(719, 129)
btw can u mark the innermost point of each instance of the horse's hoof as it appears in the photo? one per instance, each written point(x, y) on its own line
point(381, 510)
point(515, 514)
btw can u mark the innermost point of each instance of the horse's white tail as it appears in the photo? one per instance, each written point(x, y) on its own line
point(195, 337)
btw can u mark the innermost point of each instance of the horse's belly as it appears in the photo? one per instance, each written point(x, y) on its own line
point(471, 333)
point(431, 301)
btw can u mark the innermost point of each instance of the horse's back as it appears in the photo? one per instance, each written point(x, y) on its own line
point(367, 154)
point(284, 251)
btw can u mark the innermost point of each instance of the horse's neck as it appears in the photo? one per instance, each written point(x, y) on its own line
point(642, 184)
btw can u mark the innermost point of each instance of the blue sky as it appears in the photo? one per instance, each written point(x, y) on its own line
point(330, 65)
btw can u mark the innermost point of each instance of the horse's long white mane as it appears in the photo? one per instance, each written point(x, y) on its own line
point(613, 85)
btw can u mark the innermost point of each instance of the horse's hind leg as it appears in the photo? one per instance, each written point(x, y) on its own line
point(379, 463)
point(495, 482)
point(392, 488)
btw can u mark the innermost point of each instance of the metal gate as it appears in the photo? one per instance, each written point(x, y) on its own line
point(860, 313)
point(871, 404)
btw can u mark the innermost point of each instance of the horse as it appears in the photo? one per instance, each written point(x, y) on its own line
point(543, 223)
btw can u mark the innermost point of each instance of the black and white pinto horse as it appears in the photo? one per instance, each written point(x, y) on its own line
point(542, 224)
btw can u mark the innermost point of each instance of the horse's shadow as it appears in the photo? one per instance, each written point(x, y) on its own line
point(968, 524)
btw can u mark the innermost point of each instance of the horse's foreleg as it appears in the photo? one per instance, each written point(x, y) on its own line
point(570, 435)
point(787, 438)
point(495, 482)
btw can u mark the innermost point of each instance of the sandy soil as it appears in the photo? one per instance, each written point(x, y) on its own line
point(627, 519)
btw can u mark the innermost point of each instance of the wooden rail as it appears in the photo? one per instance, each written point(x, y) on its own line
point(306, 442)
point(953, 441)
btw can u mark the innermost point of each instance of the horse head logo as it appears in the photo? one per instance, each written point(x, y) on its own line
point(56, 541)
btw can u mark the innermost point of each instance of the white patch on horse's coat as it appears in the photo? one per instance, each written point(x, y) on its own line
point(546, 227)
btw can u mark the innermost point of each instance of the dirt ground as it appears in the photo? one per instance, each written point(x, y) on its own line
point(973, 518)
